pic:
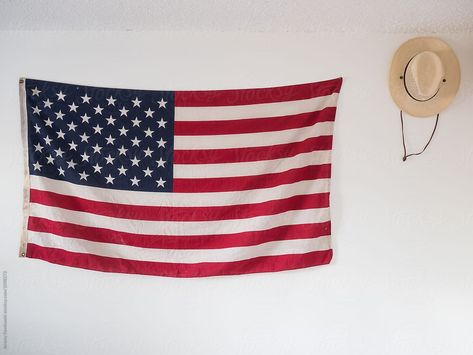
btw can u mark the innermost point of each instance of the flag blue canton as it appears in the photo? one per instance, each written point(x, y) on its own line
point(111, 138)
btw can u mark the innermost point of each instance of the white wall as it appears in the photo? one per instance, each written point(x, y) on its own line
point(401, 281)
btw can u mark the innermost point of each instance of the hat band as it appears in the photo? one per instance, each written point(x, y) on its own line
point(407, 90)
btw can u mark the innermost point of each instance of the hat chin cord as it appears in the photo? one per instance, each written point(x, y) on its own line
point(404, 158)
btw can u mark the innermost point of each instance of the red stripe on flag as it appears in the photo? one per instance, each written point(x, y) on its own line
point(216, 241)
point(241, 183)
point(237, 155)
point(253, 125)
point(185, 214)
point(108, 264)
point(256, 96)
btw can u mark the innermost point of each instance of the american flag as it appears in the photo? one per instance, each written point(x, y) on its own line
point(178, 183)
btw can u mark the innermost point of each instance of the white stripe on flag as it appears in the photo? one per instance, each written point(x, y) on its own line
point(247, 140)
point(275, 109)
point(251, 168)
point(298, 246)
point(176, 199)
point(316, 215)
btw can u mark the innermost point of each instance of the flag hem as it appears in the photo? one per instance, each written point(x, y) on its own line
point(26, 179)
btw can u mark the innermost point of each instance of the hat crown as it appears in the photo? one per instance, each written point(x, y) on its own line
point(424, 75)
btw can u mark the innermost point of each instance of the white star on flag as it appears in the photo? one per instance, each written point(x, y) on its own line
point(160, 182)
point(111, 101)
point(162, 103)
point(35, 91)
point(123, 111)
point(47, 103)
point(73, 107)
point(136, 102)
point(134, 181)
point(83, 175)
point(109, 179)
point(149, 113)
point(85, 99)
point(60, 96)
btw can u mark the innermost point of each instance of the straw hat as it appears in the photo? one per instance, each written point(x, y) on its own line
point(424, 76)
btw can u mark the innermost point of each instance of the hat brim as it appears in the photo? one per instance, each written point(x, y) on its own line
point(448, 89)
